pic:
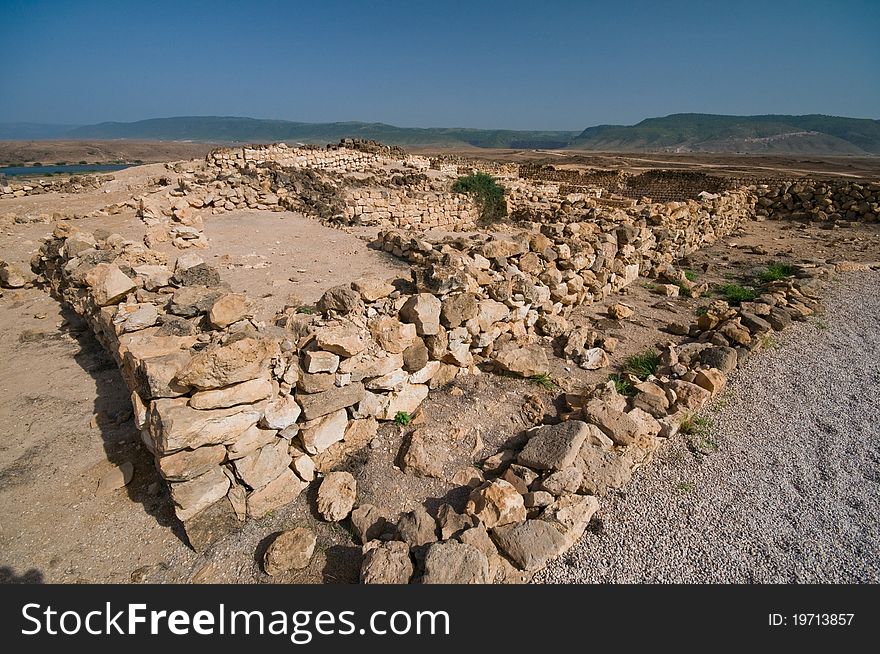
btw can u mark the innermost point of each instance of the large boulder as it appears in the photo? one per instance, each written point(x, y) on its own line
point(109, 284)
point(319, 434)
point(198, 493)
point(188, 464)
point(174, 425)
point(386, 563)
point(336, 496)
point(458, 309)
point(617, 425)
point(417, 528)
point(241, 360)
point(282, 490)
point(525, 361)
point(291, 550)
point(496, 503)
point(342, 300)
point(530, 544)
point(263, 465)
point(555, 447)
point(345, 340)
point(247, 392)
point(422, 310)
point(227, 309)
point(424, 454)
point(455, 563)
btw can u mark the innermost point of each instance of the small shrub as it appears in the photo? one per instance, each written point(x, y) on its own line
point(486, 192)
point(402, 418)
point(642, 365)
point(306, 310)
point(776, 271)
point(690, 275)
point(735, 294)
point(623, 385)
point(543, 380)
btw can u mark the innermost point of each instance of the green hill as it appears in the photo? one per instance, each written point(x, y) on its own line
point(232, 129)
point(759, 134)
point(771, 134)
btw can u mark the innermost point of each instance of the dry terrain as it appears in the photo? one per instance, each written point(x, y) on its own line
point(67, 414)
point(50, 152)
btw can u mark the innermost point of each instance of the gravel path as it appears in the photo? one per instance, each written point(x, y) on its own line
point(791, 493)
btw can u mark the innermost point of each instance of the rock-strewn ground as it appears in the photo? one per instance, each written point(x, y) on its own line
point(788, 492)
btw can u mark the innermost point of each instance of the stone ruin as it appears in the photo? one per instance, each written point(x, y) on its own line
point(242, 416)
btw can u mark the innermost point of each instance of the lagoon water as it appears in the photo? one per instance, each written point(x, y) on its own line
point(72, 169)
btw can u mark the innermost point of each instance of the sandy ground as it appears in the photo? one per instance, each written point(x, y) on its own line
point(50, 152)
point(66, 417)
point(788, 491)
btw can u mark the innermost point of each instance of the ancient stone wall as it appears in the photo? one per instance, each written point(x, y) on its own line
point(817, 200)
point(332, 159)
point(403, 207)
point(73, 184)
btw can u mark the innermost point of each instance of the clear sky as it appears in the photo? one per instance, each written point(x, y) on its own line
point(520, 65)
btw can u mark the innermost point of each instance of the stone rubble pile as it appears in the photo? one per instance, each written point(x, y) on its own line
point(73, 184)
point(531, 502)
point(502, 295)
point(241, 416)
point(832, 202)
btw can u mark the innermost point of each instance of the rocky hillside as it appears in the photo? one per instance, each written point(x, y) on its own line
point(775, 134)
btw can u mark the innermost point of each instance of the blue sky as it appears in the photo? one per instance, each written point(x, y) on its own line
point(517, 65)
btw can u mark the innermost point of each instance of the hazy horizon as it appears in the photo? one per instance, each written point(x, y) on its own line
point(513, 65)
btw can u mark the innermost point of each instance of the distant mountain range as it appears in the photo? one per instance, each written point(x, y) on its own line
point(770, 134)
point(775, 134)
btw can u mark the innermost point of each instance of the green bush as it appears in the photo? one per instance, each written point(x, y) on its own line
point(776, 271)
point(486, 192)
point(736, 294)
point(642, 365)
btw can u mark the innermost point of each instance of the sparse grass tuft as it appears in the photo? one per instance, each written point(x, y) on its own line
point(768, 342)
point(402, 418)
point(775, 271)
point(544, 380)
point(642, 365)
point(306, 310)
point(701, 311)
point(686, 488)
point(690, 275)
point(623, 385)
point(735, 294)
point(697, 429)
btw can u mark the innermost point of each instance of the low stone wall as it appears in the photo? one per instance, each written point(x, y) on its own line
point(73, 184)
point(409, 208)
point(822, 201)
point(240, 416)
point(340, 158)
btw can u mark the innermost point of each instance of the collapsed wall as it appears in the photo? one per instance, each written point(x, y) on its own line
point(73, 184)
point(822, 201)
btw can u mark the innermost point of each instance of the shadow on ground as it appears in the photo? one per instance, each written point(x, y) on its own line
point(114, 419)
